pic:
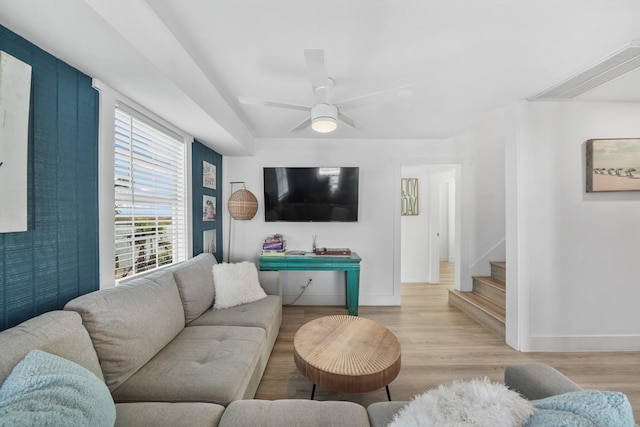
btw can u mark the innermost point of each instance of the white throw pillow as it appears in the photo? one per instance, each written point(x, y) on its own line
point(477, 403)
point(236, 284)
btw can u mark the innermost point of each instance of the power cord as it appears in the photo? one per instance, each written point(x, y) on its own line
point(304, 288)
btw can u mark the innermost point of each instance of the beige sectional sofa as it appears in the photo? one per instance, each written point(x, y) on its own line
point(168, 359)
point(156, 339)
point(159, 340)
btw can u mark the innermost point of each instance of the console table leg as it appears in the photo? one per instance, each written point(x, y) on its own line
point(313, 392)
point(353, 289)
point(388, 393)
point(347, 303)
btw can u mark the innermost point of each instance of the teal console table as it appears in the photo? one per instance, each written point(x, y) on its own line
point(310, 262)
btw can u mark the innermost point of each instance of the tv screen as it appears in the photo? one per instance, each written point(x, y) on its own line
point(311, 194)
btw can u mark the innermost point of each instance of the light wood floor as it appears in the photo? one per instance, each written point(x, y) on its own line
point(440, 344)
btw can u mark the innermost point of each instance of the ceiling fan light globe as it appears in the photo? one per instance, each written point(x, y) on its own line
point(324, 118)
point(324, 125)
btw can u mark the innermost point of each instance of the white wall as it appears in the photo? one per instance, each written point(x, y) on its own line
point(483, 186)
point(415, 231)
point(376, 235)
point(575, 255)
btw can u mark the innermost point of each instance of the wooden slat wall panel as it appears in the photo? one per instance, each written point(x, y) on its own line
point(18, 276)
point(88, 260)
point(43, 131)
point(57, 258)
point(67, 161)
point(199, 152)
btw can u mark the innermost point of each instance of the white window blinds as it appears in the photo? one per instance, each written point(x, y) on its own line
point(150, 213)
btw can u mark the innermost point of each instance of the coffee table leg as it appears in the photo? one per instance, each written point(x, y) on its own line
point(313, 392)
point(388, 394)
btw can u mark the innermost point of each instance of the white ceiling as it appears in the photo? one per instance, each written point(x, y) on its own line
point(189, 60)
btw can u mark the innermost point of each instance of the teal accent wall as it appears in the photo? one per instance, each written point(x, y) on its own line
point(200, 153)
point(56, 260)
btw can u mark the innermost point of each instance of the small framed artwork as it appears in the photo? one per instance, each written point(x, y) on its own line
point(613, 165)
point(208, 175)
point(208, 208)
point(209, 241)
point(409, 197)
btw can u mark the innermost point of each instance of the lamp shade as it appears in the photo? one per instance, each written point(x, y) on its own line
point(242, 205)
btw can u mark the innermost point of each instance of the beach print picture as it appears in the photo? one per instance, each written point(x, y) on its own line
point(209, 241)
point(613, 165)
point(208, 208)
point(208, 175)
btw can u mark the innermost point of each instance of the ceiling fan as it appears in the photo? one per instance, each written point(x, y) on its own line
point(325, 114)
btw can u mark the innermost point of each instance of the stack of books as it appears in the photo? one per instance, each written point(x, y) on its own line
point(274, 245)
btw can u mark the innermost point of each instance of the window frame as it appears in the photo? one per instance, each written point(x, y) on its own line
point(109, 99)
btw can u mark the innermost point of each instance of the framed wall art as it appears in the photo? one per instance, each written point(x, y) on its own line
point(409, 197)
point(208, 208)
point(613, 165)
point(15, 90)
point(209, 241)
point(208, 175)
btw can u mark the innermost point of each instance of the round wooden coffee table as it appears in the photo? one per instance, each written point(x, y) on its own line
point(347, 354)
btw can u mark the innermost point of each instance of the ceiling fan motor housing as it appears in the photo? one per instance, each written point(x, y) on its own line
point(324, 118)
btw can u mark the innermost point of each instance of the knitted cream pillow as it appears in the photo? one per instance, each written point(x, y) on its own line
point(236, 284)
point(45, 389)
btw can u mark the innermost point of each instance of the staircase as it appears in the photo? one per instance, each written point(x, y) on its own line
point(486, 302)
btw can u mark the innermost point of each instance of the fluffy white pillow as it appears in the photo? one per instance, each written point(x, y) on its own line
point(477, 403)
point(236, 284)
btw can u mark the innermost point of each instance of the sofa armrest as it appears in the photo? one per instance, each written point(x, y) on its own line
point(270, 282)
point(382, 413)
point(537, 380)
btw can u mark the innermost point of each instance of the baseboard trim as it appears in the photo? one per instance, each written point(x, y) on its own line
point(583, 343)
point(364, 300)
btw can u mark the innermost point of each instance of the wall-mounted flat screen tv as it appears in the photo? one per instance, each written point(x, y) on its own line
point(311, 194)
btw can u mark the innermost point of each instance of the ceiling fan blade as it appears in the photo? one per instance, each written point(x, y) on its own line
point(318, 73)
point(275, 104)
point(348, 121)
point(303, 125)
point(378, 97)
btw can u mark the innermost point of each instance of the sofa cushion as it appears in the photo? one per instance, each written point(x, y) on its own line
point(166, 414)
point(236, 284)
point(195, 284)
point(381, 413)
point(130, 323)
point(202, 364)
point(261, 314)
point(45, 389)
point(294, 413)
point(57, 332)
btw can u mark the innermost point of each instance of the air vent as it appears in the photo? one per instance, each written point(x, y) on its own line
point(621, 62)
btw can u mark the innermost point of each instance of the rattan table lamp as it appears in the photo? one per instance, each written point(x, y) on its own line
point(242, 205)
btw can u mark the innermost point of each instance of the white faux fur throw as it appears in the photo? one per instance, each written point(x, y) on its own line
point(476, 402)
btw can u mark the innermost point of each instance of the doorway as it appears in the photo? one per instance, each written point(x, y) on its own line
point(428, 238)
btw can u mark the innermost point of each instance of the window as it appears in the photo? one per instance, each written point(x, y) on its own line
point(149, 194)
